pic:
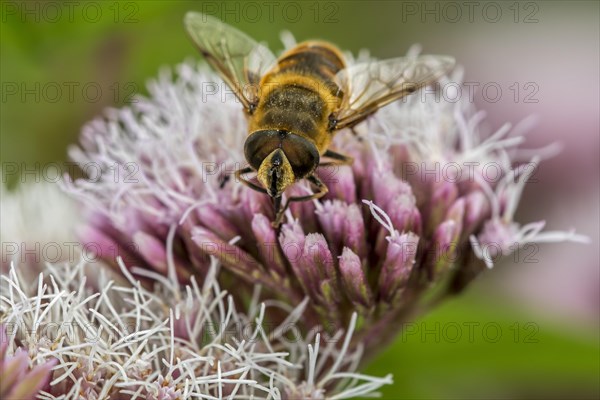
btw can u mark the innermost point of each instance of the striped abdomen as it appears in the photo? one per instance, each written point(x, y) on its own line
point(299, 94)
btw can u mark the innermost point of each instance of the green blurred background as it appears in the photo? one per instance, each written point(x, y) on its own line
point(526, 330)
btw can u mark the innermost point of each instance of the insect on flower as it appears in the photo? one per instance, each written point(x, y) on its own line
point(297, 102)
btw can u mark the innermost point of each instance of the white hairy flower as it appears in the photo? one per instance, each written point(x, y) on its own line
point(127, 341)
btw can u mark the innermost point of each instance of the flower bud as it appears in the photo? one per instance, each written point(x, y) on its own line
point(398, 265)
point(354, 280)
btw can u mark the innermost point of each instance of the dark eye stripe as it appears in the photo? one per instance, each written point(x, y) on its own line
point(300, 152)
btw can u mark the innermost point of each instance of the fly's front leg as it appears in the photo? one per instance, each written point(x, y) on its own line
point(356, 134)
point(321, 190)
point(330, 168)
point(223, 181)
point(239, 177)
point(338, 159)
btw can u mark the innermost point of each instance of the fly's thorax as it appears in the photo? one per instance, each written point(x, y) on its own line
point(296, 103)
point(298, 95)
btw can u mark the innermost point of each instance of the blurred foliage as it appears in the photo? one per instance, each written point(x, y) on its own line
point(479, 347)
point(118, 46)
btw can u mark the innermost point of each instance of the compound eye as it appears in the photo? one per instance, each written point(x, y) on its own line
point(259, 145)
point(301, 153)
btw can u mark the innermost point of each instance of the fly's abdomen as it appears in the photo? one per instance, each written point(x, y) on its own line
point(318, 59)
point(299, 94)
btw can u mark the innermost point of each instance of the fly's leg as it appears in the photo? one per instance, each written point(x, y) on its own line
point(331, 167)
point(321, 190)
point(356, 134)
point(223, 181)
point(238, 176)
point(338, 159)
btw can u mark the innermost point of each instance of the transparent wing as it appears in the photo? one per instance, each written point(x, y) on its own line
point(239, 59)
point(372, 85)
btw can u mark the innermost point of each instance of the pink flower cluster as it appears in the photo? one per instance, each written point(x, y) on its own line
point(382, 237)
